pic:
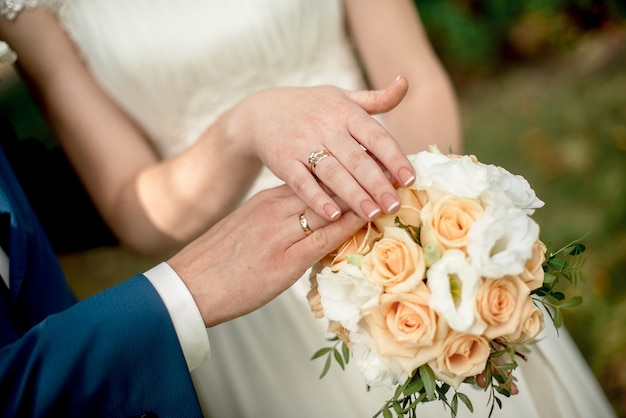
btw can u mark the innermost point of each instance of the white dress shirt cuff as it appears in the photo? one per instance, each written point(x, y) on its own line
point(185, 315)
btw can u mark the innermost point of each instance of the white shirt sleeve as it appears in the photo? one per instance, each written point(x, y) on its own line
point(185, 315)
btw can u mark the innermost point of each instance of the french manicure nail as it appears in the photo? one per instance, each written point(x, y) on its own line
point(370, 209)
point(331, 211)
point(391, 202)
point(392, 208)
point(406, 176)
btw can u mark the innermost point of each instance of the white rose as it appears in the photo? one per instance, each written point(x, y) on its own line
point(453, 282)
point(345, 293)
point(513, 187)
point(459, 176)
point(377, 370)
point(501, 242)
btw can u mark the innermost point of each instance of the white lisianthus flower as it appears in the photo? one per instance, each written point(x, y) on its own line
point(377, 370)
point(345, 293)
point(501, 242)
point(514, 188)
point(453, 282)
point(459, 176)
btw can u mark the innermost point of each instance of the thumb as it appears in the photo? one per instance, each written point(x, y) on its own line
point(381, 101)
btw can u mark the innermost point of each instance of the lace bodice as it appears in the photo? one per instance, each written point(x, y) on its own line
point(10, 8)
point(174, 66)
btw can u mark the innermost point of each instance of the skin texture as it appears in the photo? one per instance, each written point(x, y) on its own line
point(222, 277)
point(156, 206)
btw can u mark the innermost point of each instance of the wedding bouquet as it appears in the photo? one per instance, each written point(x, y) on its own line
point(447, 290)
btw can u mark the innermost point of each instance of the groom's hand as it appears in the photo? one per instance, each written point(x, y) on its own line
point(257, 252)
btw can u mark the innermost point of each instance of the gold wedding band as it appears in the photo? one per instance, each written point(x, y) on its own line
point(304, 224)
point(316, 156)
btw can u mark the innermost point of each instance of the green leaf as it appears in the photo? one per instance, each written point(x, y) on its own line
point(428, 377)
point(415, 386)
point(558, 295)
point(326, 367)
point(346, 352)
point(503, 391)
point(557, 320)
point(499, 402)
point(507, 366)
point(572, 303)
point(549, 278)
point(338, 358)
point(319, 353)
point(577, 249)
point(466, 400)
point(455, 405)
point(386, 413)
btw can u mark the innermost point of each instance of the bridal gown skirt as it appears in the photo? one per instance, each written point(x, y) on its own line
point(261, 367)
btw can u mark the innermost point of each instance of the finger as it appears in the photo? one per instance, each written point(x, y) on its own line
point(374, 137)
point(310, 221)
point(340, 174)
point(325, 239)
point(381, 101)
point(307, 188)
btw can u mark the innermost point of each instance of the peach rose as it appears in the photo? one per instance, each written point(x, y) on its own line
point(447, 221)
point(396, 262)
point(314, 298)
point(411, 203)
point(335, 327)
point(462, 355)
point(530, 326)
point(533, 270)
point(404, 327)
point(359, 243)
point(499, 304)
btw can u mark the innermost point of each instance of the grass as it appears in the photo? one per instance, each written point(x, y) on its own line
point(562, 125)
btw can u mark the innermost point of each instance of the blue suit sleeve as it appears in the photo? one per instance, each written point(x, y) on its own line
point(114, 354)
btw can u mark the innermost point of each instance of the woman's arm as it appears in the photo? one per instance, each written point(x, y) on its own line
point(151, 205)
point(154, 206)
point(391, 41)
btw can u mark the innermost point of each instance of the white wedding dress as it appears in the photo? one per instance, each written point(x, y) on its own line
point(174, 66)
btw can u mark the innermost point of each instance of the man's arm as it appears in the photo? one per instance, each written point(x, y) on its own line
point(113, 354)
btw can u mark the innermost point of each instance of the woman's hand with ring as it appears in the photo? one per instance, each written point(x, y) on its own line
point(323, 140)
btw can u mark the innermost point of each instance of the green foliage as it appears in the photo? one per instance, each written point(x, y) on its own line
point(563, 264)
point(485, 35)
point(562, 127)
point(341, 357)
point(422, 387)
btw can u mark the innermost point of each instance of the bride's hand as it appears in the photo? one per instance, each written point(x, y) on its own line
point(256, 252)
point(325, 136)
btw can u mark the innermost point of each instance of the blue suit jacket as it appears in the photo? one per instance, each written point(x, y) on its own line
point(114, 354)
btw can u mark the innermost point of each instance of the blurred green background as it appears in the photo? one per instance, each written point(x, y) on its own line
point(542, 88)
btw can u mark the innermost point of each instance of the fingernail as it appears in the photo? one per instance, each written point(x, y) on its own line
point(331, 211)
point(406, 176)
point(370, 209)
point(391, 202)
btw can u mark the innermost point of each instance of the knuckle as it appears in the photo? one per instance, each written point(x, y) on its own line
point(377, 139)
point(357, 158)
point(320, 240)
point(329, 170)
point(299, 183)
